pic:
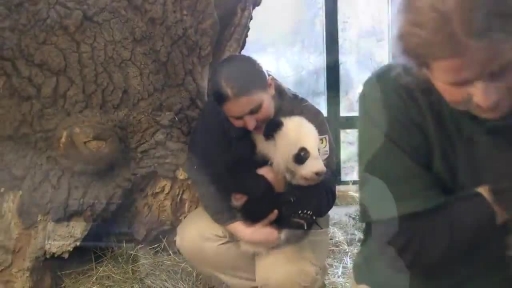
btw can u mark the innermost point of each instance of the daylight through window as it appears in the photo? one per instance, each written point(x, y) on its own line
point(292, 46)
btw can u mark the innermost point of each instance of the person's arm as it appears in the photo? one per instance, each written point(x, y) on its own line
point(437, 239)
point(318, 198)
point(406, 206)
point(215, 175)
point(206, 165)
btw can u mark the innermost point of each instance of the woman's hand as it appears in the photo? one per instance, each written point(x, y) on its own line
point(278, 181)
point(261, 233)
point(501, 215)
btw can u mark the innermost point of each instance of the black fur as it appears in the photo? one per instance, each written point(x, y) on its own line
point(273, 126)
point(262, 199)
point(301, 156)
point(255, 209)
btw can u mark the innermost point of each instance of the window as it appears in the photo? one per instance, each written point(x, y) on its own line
point(294, 47)
point(291, 45)
point(364, 46)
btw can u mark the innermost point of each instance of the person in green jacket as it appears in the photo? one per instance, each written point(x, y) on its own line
point(435, 151)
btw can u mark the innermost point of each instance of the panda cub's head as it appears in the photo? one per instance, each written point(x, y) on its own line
point(292, 146)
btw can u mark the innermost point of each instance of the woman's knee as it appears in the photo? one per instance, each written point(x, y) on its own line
point(300, 265)
point(294, 275)
point(202, 241)
point(289, 268)
point(195, 232)
point(209, 248)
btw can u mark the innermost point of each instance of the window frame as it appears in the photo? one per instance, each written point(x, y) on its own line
point(335, 121)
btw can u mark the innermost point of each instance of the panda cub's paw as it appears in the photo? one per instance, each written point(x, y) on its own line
point(304, 219)
point(299, 225)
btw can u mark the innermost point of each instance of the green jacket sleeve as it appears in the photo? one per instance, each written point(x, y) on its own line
point(394, 151)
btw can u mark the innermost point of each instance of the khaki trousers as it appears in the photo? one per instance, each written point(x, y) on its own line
point(212, 250)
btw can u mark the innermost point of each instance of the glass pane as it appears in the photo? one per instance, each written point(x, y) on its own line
point(287, 38)
point(394, 15)
point(363, 33)
point(348, 155)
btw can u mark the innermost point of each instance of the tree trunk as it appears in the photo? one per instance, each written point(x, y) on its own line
point(97, 99)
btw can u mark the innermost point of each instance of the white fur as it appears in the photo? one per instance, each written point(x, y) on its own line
point(296, 132)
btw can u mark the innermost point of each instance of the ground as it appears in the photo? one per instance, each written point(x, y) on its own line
point(159, 266)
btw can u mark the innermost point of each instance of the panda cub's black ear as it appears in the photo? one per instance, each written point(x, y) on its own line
point(272, 127)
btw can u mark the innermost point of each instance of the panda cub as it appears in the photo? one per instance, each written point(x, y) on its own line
point(291, 146)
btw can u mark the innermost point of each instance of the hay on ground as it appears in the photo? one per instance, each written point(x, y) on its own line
point(135, 267)
point(159, 266)
point(345, 234)
point(347, 195)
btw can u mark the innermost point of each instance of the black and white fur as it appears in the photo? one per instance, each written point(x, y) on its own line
point(291, 146)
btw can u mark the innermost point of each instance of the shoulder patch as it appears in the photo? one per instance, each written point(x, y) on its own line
point(324, 147)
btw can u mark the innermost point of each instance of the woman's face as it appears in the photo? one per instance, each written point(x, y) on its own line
point(480, 82)
point(252, 111)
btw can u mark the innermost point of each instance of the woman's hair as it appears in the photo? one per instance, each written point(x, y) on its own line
point(435, 29)
point(236, 76)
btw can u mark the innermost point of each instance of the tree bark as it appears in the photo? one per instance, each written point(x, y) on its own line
point(97, 99)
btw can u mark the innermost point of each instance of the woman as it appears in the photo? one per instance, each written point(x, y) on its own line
point(242, 98)
point(435, 144)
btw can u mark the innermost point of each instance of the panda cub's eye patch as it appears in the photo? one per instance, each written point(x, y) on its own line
point(301, 156)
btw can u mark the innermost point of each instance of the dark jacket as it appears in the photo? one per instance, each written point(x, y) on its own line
point(420, 161)
point(215, 141)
